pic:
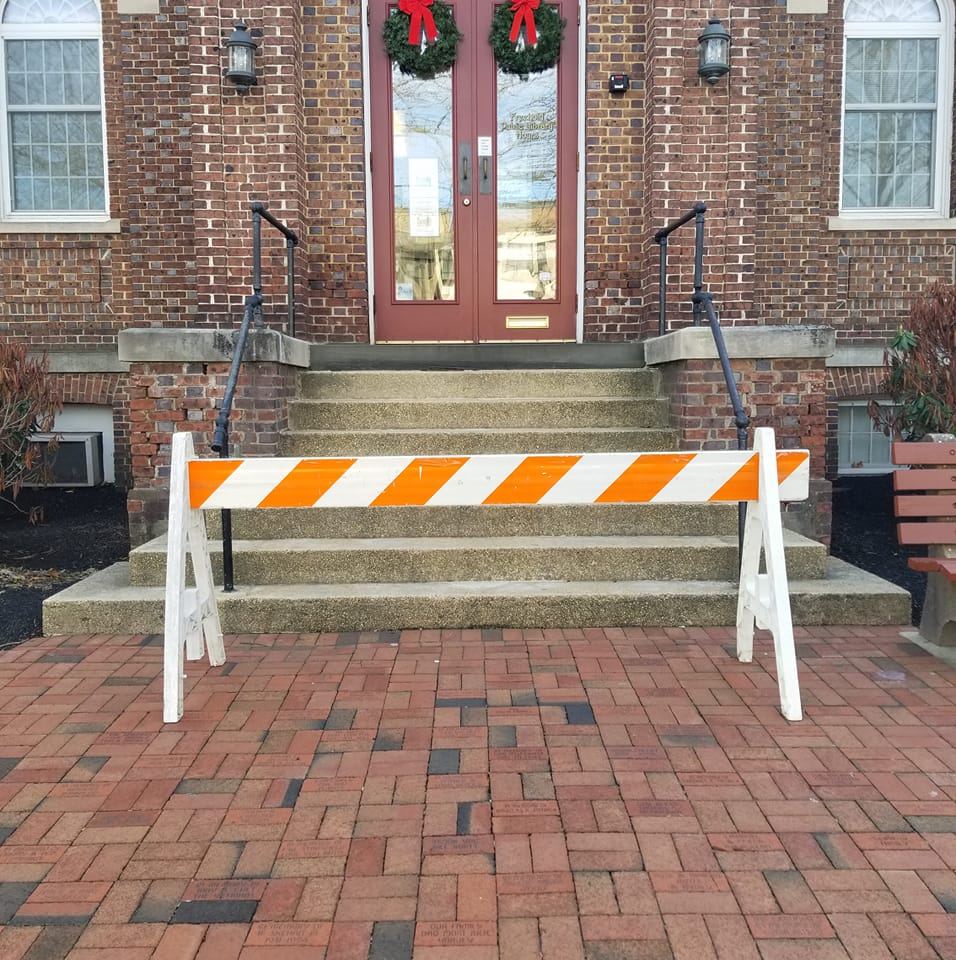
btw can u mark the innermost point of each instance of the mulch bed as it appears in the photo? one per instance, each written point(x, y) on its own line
point(864, 533)
point(81, 530)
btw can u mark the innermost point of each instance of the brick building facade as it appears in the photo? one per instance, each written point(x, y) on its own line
point(187, 153)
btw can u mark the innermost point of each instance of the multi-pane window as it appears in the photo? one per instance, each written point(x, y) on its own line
point(52, 100)
point(895, 99)
point(862, 447)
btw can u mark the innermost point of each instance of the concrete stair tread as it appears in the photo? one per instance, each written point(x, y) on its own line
point(464, 431)
point(106, 603)
point(582, 399)
point(596, 383)
point(331, 544)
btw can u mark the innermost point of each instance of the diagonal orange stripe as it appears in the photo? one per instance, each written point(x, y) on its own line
point(788, 461)
point(419, 482)
point(531, 480)
point(743, 485)
point(305, 483)
point(645, 478)
point(206, 477)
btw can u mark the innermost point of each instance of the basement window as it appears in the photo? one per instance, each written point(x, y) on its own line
point(862, 446)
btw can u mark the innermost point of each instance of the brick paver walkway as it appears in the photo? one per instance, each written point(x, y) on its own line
point(611, 794)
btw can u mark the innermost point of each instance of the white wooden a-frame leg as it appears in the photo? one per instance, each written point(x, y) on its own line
point(764, 598)
point(749, 569)
point(176, 612)
point(207, 608)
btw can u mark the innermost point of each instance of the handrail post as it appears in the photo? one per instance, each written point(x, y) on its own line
point(662, 290)
point(257, 256)
point(699, 211)
point(290, 268)
point(705, 299)
point(228, 576)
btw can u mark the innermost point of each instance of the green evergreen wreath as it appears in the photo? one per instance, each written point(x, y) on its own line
point(437, 57)
point(532, 59)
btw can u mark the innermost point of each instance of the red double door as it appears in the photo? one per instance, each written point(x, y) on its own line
point(474, 176)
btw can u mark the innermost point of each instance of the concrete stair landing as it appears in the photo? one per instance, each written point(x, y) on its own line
point(380, 569)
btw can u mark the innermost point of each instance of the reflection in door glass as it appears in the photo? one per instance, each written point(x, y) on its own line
point(422, 148)
point(527, 182)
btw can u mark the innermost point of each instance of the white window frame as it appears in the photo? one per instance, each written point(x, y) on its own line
point(942, 32)
point(47, 31)
point(871, 470)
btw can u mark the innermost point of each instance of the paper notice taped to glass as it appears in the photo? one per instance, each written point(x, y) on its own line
point(423, 203)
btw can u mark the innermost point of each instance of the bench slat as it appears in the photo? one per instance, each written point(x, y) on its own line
point(915, 534)
point(924, 453)
point(924, 479)
point(941, 505)
point(934, 565)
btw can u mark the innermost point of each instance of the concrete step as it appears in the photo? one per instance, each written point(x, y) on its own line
point(411, 560)
point(325, 443)
point(523, 412)
point(572, 520)
point(107, 603)
point(476, 384)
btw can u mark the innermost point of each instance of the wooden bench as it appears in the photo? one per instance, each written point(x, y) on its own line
point(925, 505)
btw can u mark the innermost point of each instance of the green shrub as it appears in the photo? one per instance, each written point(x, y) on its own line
point(920, 370)
point(28, 404)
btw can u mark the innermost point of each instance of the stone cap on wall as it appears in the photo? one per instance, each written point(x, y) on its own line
point(761, 343)
point(173, 345)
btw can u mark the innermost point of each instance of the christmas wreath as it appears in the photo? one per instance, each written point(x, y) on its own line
point(526, 36)
point(422, 37)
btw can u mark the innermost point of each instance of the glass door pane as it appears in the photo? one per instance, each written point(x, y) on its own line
point(424, 170)
point(527, 186)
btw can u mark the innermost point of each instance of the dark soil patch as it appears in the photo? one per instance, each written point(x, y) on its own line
point(864, 533)
point(82, 530)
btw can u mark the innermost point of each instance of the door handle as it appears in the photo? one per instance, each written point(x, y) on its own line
point(464, 167)
point(484, 184)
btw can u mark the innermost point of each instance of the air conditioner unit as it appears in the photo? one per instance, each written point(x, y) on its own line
point(76, 461)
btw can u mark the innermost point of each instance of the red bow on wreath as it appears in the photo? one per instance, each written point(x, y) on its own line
point(421, 16)
point(523, 11)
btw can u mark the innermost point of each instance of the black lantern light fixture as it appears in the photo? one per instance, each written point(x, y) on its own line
point(714, 48)
point(242, 58)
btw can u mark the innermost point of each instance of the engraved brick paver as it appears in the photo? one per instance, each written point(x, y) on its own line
point(605, 794)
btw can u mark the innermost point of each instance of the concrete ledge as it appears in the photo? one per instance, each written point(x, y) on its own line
point(856, 355)
point(159, 345)
point(128, 7)
point(762, 343)
point(890, 224)
point(477, 356)
point(61, 226)
point(84, 361)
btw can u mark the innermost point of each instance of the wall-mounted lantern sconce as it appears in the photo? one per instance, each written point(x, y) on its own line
point(714, 47)
point(242, 58)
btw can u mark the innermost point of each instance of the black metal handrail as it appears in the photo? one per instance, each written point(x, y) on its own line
point(260, 213)
point(250, 314)
point(696, 213)
point(703, 302)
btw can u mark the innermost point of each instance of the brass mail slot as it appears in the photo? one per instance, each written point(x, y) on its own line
point(527, 323)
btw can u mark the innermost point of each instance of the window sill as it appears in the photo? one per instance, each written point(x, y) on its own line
point(60, 226)
point(888, 224)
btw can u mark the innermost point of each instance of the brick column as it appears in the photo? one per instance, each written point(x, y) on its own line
point(177, 380)
point(782, 378)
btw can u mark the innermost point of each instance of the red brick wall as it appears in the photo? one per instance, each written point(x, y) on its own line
point(188, 154)
point(789, 395)
point(168, 397)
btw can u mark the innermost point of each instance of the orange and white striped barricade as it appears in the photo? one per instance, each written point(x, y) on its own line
point(763, 477)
